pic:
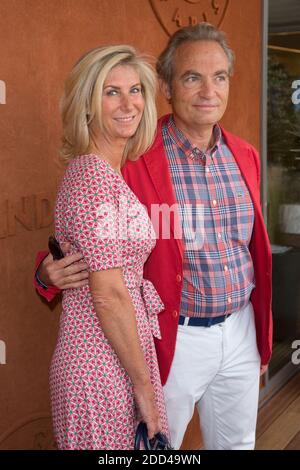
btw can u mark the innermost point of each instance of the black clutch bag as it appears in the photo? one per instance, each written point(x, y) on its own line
point(159, 441)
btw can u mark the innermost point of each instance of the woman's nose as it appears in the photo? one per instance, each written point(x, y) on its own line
point(126, 102)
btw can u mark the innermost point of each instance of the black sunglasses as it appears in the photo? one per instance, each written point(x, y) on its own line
point(54, 248)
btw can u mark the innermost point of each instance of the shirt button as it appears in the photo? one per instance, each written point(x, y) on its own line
point(214, 202)
point(178, 278)
point(226, 267)
point(207, 170)
point(229, 300)
point(219, 235)
point(175, 313)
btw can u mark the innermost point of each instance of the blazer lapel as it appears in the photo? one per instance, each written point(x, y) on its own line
point(158, 168)
point(245, 163)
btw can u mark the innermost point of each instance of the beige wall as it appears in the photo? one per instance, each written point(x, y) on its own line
point(39, 42)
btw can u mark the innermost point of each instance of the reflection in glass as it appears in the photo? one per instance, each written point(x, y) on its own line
point(284, 182)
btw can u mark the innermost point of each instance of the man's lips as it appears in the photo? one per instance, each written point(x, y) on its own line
point(208, 106)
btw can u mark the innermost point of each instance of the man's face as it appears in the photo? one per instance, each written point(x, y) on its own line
point(200, 85)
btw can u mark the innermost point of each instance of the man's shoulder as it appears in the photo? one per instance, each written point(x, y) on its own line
point(237, 142)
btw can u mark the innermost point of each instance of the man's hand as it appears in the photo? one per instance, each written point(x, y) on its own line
point(263, 369)
point(66, 273)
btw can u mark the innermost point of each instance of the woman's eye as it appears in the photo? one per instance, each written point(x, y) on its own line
point(111, 92)
point(136, 90)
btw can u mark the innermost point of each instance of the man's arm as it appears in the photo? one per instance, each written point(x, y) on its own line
point(66, 273)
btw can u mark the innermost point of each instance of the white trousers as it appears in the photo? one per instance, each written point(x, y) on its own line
point(217, 369)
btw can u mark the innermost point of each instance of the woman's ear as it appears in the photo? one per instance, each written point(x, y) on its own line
point(165, 89)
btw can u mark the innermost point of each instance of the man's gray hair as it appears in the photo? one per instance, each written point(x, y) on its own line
point(199, 32)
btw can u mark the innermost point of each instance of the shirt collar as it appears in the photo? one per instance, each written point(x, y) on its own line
point(187, 147)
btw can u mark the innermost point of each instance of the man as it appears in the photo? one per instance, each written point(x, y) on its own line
point(217, 325)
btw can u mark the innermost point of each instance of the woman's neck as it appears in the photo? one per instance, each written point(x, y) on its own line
point(111, 151)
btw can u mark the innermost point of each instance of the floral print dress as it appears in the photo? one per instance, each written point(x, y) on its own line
point(91, 394)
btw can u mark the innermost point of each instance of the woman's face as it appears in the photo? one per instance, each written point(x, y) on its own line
point(122, 102)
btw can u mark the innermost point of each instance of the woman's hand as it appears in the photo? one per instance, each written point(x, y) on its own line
point(66, 273)
point(145, 400)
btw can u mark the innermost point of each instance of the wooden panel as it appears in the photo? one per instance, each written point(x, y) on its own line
point(193, 439)
point(277, 405)
point(34, 432)
point(242, 24)
point(295, 443)
point(282, 430)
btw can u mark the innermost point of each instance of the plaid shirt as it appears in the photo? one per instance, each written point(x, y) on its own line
point(215, 204)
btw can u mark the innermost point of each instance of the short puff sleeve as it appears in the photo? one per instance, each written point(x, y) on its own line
point(90, 195)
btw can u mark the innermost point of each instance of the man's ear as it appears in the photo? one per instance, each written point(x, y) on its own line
point(165, 89)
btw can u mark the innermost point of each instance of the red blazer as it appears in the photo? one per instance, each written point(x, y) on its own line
point(150, 179)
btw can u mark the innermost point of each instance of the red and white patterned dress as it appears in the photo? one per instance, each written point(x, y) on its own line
point(91, 394)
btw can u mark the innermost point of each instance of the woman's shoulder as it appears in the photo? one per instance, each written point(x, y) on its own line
point(89, 162)
point(91, 167)
point(92, 177)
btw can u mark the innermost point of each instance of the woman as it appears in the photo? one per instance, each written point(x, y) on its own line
point(104, 374)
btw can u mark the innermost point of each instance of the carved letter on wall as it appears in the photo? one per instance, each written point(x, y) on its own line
point(2, 352)
point(173, 14)
point(44, 207)
point(2, 92)
point(31, 212)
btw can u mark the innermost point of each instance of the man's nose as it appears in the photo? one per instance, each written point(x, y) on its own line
point(207, 89)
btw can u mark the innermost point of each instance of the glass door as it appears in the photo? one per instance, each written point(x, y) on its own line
point(282, 177)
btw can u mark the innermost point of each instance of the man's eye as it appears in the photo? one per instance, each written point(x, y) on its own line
point(191, 79)
point(221, 78)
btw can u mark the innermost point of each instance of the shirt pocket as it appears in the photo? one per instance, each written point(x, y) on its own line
point(240, 214)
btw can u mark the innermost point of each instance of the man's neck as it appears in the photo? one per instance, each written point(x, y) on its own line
point(202, 137)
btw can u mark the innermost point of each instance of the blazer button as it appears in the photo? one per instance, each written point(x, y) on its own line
point(175, 313)
point(178, 278)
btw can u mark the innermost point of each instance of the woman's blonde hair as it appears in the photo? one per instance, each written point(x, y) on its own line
point(81, 102)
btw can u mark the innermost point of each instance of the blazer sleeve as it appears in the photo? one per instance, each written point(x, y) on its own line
point(51, 292)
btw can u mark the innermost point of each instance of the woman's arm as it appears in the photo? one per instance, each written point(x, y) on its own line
point(116, 314)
